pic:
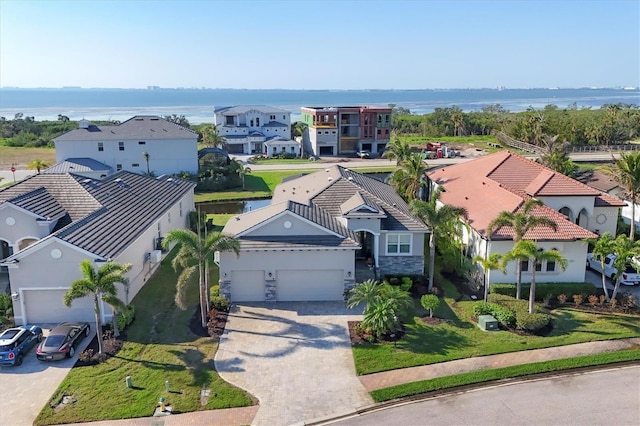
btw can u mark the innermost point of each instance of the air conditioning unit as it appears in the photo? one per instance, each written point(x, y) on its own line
point(156, 256)
point(487, 323)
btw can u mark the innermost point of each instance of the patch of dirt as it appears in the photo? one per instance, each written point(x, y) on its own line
point(110, 347)
point(216, 321)
point(432, 321)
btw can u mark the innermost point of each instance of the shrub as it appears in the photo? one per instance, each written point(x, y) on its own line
point(562, 298)
point(504, 315)
point(544, 289)
point(532, 322)
point(430, 302)
point(578, 299)
point(126, 317)
point(407, 283)
point(593, 300)
point(220, 303)
point(481, 308)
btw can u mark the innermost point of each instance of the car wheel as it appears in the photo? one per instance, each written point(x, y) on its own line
point(72, 352)
point(87, 331)
point(19, 360)
point(40, 337)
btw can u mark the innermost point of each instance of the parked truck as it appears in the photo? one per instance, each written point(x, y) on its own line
point(629, 276)
point(439, 150)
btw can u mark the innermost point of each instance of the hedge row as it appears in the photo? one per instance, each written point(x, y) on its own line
point(544, 289)
point(511, 312)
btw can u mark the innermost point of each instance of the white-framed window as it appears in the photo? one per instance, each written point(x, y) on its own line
point(121, 146)
point(118, 167)
point(100, 146)
point(399, 244)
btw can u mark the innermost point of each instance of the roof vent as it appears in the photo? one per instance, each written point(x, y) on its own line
point(350, 177)
point(83, 124)
point(329, 178)
point(326, 170)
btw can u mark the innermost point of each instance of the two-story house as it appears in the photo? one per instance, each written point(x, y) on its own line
point(50, 222)
point(345, 130)
point(256, 129)
point(142, 143)
point(504, 181)
point(308, 244)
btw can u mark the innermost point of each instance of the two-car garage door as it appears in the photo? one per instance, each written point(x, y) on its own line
point(291, 285)
point(46, 306)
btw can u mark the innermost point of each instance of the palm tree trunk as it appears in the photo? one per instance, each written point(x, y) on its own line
point(615, 288)
point(96, 309)
point(532, 289)
point(116, 332)
point(432, 259)
point(604, 282)
point(486, 286)
point(207, 285)
point(203, 309)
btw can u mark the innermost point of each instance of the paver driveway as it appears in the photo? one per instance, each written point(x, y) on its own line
point(294, 357)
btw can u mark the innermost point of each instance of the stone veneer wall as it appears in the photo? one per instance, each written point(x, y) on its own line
point(225, 288)
point(401, 265)
point(349, 283)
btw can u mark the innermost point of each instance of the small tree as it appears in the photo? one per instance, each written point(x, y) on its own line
point(602, 247)
point(430, 302)
point(37, 165)
point(494, 261)
point(101, 285)
point(367, 292)
point(145, 154)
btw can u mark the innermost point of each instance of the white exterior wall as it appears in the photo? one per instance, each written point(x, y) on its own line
point(574, 203)
point(24, 226)
point(166, 156)
point(605, 219)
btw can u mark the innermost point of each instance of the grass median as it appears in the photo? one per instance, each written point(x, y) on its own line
point(485, 376)
point(159, 347)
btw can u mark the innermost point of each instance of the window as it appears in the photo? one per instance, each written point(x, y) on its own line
point(135, 165)
point(398, 243)
point(257, 122)
point(251, 125)
point(121, 146)
point(229, 120)
point(386, 131)
point(333, 132)
point(538, 267)
point(293, 150)
point(319, 132)
point(284, 117)
point(180, 208)
point(100, 146)
point(142, 143)
point(326, 132)
point(551, 266)
point(118, 167)
point(379, 131)
point(272, 117)
point(524, 265)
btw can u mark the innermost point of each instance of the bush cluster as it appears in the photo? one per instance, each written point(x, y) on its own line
point(126, 317)
point(552, 290)
point(218, 302)
point(504, 315)
point(511, 312)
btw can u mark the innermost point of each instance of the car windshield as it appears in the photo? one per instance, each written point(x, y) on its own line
point(54, 341)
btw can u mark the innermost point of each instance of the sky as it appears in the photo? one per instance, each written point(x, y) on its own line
point(309, 44)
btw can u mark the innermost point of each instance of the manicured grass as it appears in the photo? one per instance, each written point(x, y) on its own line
point(482, 376)
point(220, 219)
point(459, 337)
point(282, 161)
point(158, 347)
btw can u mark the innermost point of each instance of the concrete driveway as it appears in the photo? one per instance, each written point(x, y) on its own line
point(294, 357)
point(596, 279)
point(25, 389)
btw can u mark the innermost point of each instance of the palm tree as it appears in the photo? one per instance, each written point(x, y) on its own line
point(602, 247)
point(194, 247)
point(145, 154)
point(242, 172)
point(527, 249)
point(626, 170)
point(211, 137)
point(625, 249)
point(101, 285)
point(493, 262)
point(521, 222)
point(409, 177)
point(367, 292)
point(398, 150)
point(37, 165)
point(435, 218)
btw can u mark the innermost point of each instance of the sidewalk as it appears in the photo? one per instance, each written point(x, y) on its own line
point(413, 374)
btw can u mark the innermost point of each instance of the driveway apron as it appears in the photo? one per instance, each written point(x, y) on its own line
point(295, 357)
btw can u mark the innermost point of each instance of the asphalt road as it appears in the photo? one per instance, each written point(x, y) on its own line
point(604, 397)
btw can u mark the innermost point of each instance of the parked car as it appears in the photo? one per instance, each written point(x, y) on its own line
point(363, 154)
point(62, 341)
point(630, 276)
point(16, 342)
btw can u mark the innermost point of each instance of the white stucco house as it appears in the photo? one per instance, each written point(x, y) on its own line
point(504, 181)
point(255, 129)
point(50, 222)
point(308, 244)
point(171, 148)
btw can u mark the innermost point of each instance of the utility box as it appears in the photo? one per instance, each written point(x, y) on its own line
point(487, 323)
point(155, 256)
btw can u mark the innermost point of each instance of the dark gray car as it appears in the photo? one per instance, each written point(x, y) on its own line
point(62, 341)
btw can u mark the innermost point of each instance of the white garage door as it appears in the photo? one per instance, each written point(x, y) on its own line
point(46, 306)
point(309, 285)
point(247, 286)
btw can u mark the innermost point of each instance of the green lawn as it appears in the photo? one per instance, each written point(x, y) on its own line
point(483, 376)
point(459, 337)
point(159, 347)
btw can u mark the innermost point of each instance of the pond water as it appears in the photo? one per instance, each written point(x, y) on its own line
point(232, 207)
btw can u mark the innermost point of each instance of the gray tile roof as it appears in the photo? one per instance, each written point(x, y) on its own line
point(243, 109)
point(106, 215)
point(274, 124)
point(296, 242)
point(39, 202)
point(78, 165)
point(360, 205)
point(143, 127)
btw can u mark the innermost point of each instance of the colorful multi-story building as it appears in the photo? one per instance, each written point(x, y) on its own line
point(335, 131)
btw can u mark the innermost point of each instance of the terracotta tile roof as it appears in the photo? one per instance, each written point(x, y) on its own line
point(503, 181)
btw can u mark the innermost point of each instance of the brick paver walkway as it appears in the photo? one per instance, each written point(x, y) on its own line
point(414, 374)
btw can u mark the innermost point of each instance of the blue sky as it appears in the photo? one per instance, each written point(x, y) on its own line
point(320, 44)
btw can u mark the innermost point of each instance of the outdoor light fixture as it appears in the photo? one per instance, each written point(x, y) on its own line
point(15, 296)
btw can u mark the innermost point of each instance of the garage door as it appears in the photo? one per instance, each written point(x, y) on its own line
point(235, 148)
point(46, 306)
point(309, 285)
point(247, 286)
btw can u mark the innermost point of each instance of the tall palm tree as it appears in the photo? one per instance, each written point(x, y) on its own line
point(493, 262)
point(527, 249)
point(398, 150)
point(409, 177)
point(145, 154)
point(100, 284)
point(602, 247)
point(37, 165)
point(435, 218)
point(521, 221)
point(625, 249)
point(211, 137)
point(626, 170)
point(195, 247)
point(242, 172)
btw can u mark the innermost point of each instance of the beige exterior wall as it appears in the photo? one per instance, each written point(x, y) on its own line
point(297, 226)
point(370, 225)
point(16, 225)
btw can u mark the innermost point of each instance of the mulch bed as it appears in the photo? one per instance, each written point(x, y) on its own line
point(110, 347)
point(359, 337)
point(217, 320)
